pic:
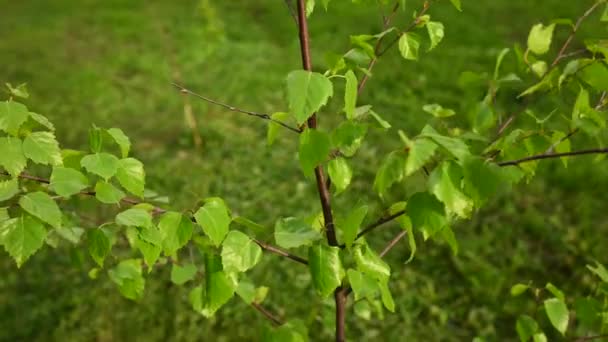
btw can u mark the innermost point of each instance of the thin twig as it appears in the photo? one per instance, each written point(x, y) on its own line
point(263, 116)
point(555, 144)
point(553, 155)
point(386, 22)
point(393, 243)
point(274, 319)
point(279, 251)
point(370, 227)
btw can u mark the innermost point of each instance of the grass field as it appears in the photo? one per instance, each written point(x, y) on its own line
point(111, 63)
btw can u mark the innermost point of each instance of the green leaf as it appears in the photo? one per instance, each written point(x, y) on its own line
point(444, 183)
point(134, 217)
point(600, 271)
point(99, 245)
point(104, 165)
point(596, 75)
point(292, 232)
point(274, 128)
point(409, 45)
point(340, 173)
point(562, 145)
point(131, 176)
point(383, 123)
point(363, 286)
point(314, 150)
point(585, 117)
point(349, 226)
point(307, 92)
point(555, 291)
point(245, 222)
point(387, 298)
point(121, 139)
point(150, 251)
point(325, 268)
point(176, 231)
point(457, 4)
point(604, 17)
point(370, 263)
point(128, 276)
point(182, 274)
point(12, 116)
point(420, 151)
point(455, 146)
point(389, 172)
point(427, 213)
point(438, 111)
point(67, 181)
point(557, 311)
point(350, 95)
point(436, 33)
point(41, 120)
point(22, 237)
point(239, 252)
point(42, 148)
point(8, 189)
point(13, 160)
point(219, 289)
point(42, 206)
point(518, 289)
point(18, 91)
point(526, 327)
point(539, 39)
point(293, 331)
point(108, 193)
point(95, 139)
point(246, 290)
point(348, 137)
point(214, 219)
point(481, 180)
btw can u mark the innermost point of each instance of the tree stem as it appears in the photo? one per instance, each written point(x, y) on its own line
point(324, 196)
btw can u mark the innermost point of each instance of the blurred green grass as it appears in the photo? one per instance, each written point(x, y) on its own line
point(110, 63)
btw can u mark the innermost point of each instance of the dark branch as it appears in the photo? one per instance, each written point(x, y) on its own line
point(380, 222)
point(263, 116)
point(590, 338)
point(279, 251)
point(553, 155)
point(274, 319)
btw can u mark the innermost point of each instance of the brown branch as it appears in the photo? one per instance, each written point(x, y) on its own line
point(279, 251)
point(553, 155)
point(339, 294)
point(274, 319)
point(562, 51)
point(370, 227)
point(393, 243)
point(263, 116)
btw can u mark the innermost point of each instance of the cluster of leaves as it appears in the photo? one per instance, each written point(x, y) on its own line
point(449, 171)
point(590, 311)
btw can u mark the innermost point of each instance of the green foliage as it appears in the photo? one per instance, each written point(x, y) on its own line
point(453, 168)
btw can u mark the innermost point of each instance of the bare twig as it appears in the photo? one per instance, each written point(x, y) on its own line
point(370, 227)
point(380, 52)
point(274, 319)
point(553, 155)
point(263, 116)
point(279, 251)
point(393, 243)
